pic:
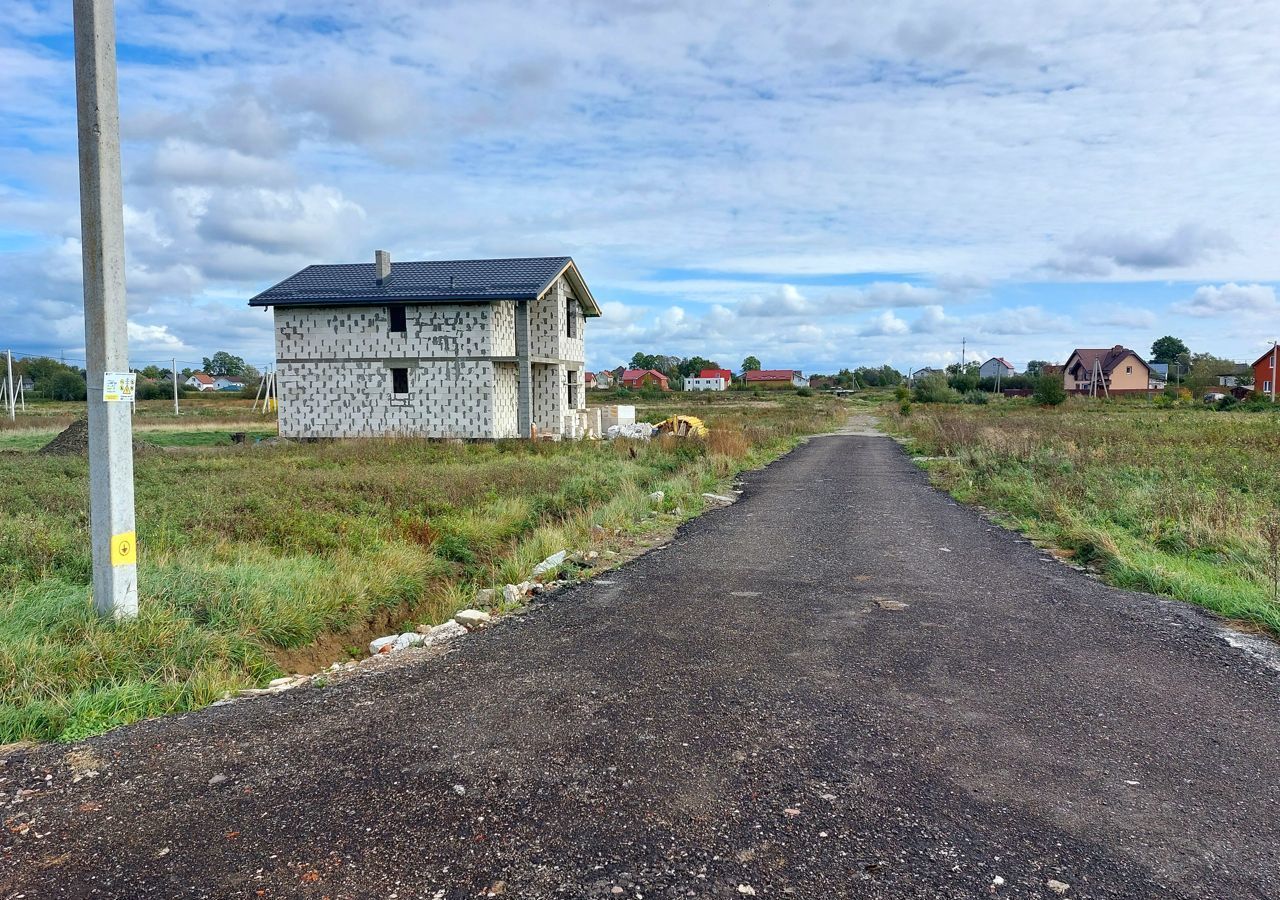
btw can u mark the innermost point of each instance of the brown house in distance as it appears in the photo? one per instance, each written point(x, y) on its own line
point(1113, 370)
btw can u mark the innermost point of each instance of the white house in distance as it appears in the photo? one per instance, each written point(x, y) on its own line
point(709, 380)
point(486, 348)
point(997, 367)
point(200, 382)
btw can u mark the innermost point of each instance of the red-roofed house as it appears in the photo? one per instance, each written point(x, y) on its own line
point(1264, 374)
point(775, 378)
point(709, 380)
point(640, 378)
point(201, 382)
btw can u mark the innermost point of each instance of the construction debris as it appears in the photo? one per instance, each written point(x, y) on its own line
point(683, 426)
point(554, 561)
point(636, 431)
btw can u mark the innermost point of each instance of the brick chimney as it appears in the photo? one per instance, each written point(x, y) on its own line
point(382, 266)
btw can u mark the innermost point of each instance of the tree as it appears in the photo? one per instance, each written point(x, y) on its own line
point(154, 372)
point(689, 368)
point(41, 368)
point(223, 363)
point(1036, 366)
point(751, 364)
point(1167, 349)
point(1049, 390)
point(1205, 370)
point(65, 385)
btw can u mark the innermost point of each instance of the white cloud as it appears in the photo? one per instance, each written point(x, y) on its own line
point(1098, 253)
point(886, 323)
point(155, 338)
point(1229, 300)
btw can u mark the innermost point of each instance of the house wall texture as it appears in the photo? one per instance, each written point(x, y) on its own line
point(432, 330)
point(548, 337)
point(335, 380)
point(505, 421)
point(548, 398)
point(334, 368)
point(446, 398)
point(1264, 376)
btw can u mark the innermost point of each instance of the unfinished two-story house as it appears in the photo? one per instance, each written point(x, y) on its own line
point(486, 348)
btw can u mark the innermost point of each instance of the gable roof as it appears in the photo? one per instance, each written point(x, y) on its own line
point(769, 375)
point(1000, 359)
point(430, 281)
point(1264, 357)
point(1109, 357)
point(633, 374)
point(201, 377)
point(716, 373)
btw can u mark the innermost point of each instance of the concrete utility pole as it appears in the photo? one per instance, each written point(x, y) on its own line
point(111, 513)
point(174, 372)
point(9, 385)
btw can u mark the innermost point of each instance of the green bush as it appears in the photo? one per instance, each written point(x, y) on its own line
point(904, 404)
point(977, 398)
point(65, 386)
point(804, 392)
point(1049, 390)
point(902, 392)
point(934, 389)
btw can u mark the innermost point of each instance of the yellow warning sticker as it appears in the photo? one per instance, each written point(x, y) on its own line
point(124, 549)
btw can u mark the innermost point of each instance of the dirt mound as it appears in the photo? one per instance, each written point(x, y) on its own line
point(73, 441)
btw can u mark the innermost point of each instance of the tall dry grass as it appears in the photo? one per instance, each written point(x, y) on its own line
point(1171, 500)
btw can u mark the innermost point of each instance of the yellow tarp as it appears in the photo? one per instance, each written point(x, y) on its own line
point(683, 426)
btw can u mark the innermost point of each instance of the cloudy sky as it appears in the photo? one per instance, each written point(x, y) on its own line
point(820, 184)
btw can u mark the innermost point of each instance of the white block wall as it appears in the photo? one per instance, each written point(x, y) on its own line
point(334, 368)
point(453, 398)
point(432, 330)
point(547, 326)
point(506, 423)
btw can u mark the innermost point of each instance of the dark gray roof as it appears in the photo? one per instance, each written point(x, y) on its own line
point(431, 281)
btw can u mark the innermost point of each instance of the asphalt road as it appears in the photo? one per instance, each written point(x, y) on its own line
point(845, 685)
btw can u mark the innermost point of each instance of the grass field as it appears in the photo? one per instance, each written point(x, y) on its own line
point(1180, 501)
point(250, 553)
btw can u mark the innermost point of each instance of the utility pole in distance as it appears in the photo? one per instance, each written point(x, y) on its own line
point(174, 372)
point(9, 400)
point(111, 511)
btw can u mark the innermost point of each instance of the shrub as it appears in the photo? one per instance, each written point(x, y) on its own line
point(1227, 402)
point(904, 404)
point(977, 398)
point(1049, 390)
point(902, 392)
point(804, 391)
point(934, 389)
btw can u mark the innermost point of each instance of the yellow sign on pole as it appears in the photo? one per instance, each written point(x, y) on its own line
point(124, 549)
point(118, 387)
